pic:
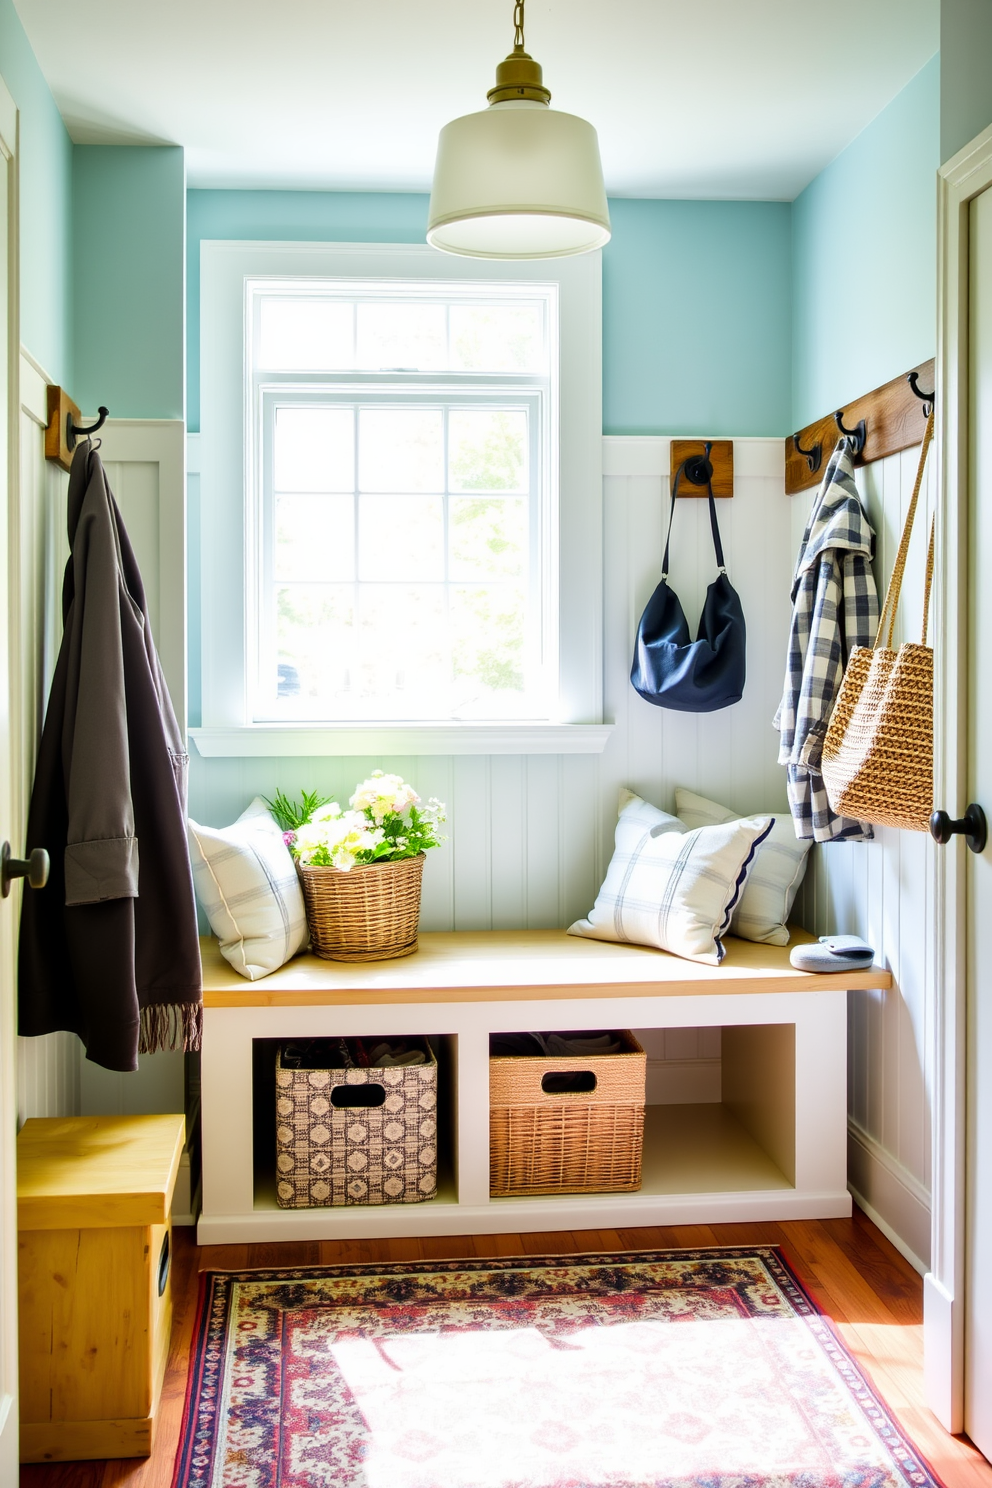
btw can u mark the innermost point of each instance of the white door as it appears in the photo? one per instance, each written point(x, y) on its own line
point(9, 362)
point(978, 1030)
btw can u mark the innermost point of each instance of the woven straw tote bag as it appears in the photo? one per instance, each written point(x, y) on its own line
point(878, 752)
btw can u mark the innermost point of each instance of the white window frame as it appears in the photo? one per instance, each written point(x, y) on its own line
point(575, 518)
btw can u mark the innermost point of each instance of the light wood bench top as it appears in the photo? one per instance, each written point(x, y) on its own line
point(77, 1172)
point(519, 966)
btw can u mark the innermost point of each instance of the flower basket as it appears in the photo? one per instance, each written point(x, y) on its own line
point(369, 913)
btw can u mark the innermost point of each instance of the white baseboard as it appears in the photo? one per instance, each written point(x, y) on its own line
point(890, 1195)
point(887, 1231)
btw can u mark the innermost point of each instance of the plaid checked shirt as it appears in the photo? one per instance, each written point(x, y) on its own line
point(834, 607)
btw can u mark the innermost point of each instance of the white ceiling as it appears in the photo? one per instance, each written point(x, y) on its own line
point(691, 98)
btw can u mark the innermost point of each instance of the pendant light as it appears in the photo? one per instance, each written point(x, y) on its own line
point(519, 179)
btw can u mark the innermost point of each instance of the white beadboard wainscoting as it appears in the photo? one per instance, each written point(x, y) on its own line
point(883, 891)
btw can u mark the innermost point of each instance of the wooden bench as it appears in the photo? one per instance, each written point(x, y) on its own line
point(773, 1146)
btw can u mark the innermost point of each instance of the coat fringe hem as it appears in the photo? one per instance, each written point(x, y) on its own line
point(176, 1026)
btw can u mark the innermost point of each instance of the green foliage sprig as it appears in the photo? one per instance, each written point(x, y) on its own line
point(291, 815)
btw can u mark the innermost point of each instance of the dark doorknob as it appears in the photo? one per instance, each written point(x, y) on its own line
point(972, 826)
point(34, 869)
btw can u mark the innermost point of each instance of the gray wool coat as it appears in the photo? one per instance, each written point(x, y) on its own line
point(109, 949)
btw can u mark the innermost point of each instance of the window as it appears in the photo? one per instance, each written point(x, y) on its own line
point(401, 501)
point(396, 536)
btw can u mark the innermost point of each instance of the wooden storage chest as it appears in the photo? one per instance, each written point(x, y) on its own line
point(95, 1300)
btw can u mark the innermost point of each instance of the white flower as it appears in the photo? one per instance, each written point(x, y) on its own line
point(384, 795)
point(341, 836)
point(324, 813)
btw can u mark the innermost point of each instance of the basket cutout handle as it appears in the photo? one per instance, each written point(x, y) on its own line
point(350, 1097)
point(568, 1082)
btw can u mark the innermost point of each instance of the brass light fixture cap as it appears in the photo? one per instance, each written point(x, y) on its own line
point(519, 76)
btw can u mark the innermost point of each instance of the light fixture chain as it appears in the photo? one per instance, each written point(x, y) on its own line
point(518, 25)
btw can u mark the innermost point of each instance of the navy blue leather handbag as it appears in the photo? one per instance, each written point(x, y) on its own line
point(669, 669)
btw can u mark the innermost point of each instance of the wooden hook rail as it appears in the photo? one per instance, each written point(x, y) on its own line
point(64, 427)
point(894, 418)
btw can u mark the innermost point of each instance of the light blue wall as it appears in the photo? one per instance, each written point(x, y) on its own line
point(46, 205)
point(129, 270)
point(293, 217)
point(864, 279)
point(965, 72)
point(695, 298)
point(696, 318)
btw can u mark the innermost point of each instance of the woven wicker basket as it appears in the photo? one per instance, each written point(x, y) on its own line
point(369, 913)
point(591, 1142)
point(878, 753)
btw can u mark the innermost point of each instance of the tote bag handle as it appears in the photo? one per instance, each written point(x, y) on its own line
point(714, 525)
point(895, 582)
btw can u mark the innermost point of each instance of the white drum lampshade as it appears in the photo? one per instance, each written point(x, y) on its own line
point(518, 180)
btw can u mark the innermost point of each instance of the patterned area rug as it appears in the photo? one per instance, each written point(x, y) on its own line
point(662, 1369)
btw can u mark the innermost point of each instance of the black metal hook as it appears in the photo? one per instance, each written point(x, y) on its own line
point(927, 399)
point(857, 435)
point(698, 469)
point(73, 431)
point(813, 456)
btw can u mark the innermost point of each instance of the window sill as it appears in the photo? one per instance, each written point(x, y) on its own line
point(271, 740)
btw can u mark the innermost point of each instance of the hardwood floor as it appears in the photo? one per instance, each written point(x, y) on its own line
point(852, 1271)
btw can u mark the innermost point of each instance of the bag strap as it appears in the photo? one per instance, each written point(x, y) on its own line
point(929, 579)
point(714, 525)
point(895, 582)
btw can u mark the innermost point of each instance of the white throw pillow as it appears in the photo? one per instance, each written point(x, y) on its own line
point(247, 883)
point(772, 884)
point(669, 887)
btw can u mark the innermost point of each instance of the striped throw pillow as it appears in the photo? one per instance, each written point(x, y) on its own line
point(246, 882)
point(672, 888)
point(772, 884)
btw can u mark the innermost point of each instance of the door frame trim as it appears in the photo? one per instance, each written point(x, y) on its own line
point(964, 177)
point(10, 145)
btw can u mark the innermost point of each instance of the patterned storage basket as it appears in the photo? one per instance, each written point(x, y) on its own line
point(332, 1150)
point(588, 1141)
